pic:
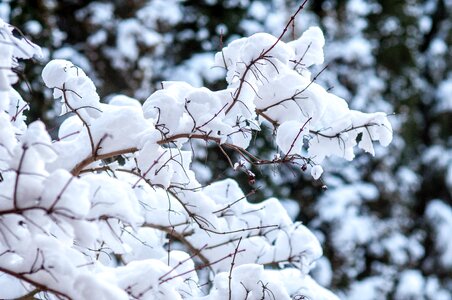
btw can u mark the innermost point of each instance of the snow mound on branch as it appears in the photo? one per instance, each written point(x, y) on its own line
point(309, 48)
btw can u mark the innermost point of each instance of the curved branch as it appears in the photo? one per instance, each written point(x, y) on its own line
point(38, 285)
point(90, 159)
point(204, 137)
point(181, 238)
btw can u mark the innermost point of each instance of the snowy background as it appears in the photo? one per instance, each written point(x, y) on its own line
point(385, 222)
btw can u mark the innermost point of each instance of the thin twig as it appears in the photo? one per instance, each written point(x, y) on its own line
point(232, 266)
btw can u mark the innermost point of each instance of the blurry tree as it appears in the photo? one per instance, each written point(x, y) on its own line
point(384, 223)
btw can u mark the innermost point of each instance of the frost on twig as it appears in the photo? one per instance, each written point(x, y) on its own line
point(112, 210)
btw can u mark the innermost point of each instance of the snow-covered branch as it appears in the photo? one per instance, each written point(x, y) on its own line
point(112, 209)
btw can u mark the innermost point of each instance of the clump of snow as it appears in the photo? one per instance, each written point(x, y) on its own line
point(316, 171)
point(309, 48)
point(76, 90)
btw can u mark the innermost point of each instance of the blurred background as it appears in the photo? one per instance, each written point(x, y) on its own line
point(385, 222)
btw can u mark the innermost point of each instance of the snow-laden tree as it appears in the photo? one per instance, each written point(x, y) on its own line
point(112, 210)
